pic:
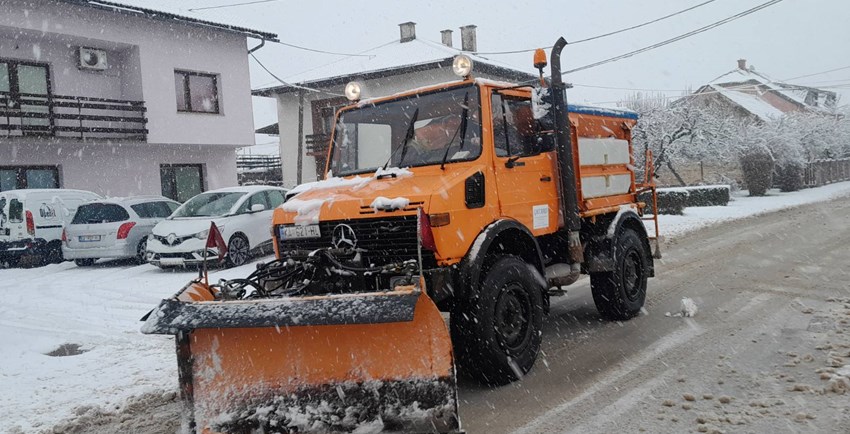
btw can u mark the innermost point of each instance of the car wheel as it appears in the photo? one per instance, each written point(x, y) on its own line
point(620, 294)
point(238, 251)
point(88, 262)
point(142, 251)
point(497, 332)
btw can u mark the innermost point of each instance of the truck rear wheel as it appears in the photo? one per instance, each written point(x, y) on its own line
point(620, 294)
point(497, 332)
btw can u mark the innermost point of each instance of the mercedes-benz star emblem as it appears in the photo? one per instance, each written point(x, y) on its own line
point(171, 238)
point(344, 237)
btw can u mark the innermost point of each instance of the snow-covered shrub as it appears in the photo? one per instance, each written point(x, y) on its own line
point(790, 176)
point(708, 195)
point(757, 165)
point(670, 201)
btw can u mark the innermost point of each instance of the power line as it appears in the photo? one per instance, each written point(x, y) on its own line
point(818, 73)
point(837, 85)
point(314, 50)
point(231, 5)
point(677, 38)
point(798, 86)
point(290, 84)
point(606, 34)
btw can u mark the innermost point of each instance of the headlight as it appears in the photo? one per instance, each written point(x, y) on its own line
point(202, 235)
point(462, 66)
point(353, 91)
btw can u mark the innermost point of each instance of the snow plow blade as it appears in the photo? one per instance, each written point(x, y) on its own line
point(374, 361)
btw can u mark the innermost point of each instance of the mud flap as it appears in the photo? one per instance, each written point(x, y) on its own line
point(379, 361)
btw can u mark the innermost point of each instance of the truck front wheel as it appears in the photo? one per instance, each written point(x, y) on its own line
point(620, 294)
point(497, 332)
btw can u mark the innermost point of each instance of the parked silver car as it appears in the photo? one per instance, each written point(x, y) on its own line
point(114, 228)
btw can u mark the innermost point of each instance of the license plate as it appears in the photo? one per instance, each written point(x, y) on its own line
point(297, 231)
point(89, 238)
point(171, 261)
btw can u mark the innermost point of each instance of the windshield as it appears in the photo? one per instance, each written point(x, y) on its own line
point(415, 131)
point(209, 205)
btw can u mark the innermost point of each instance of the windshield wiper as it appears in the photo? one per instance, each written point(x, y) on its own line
point(407, 136)
point(461, 128)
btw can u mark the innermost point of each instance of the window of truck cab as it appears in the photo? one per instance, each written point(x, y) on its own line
point(392, 133)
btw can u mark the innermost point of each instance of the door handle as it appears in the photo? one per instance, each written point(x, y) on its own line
point(545, 178)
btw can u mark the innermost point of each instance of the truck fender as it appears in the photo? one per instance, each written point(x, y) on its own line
point(600, 248)
point(508, 236)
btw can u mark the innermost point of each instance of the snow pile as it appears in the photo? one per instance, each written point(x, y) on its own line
point(385, 204)
point(355, 183)
point(307, 211)
point(688, 309)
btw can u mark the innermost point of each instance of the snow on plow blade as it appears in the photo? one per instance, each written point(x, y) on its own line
point(374, 361)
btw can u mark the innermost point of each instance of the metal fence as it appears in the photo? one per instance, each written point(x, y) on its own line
point(822, 172)
point(252, 162)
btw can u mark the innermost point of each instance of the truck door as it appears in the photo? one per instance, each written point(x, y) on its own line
point(525, 173)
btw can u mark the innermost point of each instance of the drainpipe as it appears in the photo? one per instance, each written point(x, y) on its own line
point(262, 42)
point(569, 196)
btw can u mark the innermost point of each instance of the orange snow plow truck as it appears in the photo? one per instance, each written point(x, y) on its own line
point(474, 198)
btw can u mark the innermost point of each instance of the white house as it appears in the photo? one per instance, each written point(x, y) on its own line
point(121, 100)
point(307, 103)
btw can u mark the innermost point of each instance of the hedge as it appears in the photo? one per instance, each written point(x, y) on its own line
point(675, 200)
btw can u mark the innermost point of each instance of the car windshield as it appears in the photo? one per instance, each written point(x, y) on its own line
point(418, 130)
point(213, 204)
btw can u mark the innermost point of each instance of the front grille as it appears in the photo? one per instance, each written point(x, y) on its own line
point(381, 241)
point(177, 240)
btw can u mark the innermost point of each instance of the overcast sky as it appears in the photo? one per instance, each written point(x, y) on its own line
point(789, 39)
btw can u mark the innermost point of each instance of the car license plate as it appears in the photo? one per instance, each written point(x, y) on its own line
point(89, 238)
point(297, 231)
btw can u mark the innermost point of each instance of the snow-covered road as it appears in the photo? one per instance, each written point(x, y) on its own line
point(98, 308)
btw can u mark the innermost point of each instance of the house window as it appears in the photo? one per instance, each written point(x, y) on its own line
point(20, 177)
point(196, 92)
point(181, 181)
point(25, 93)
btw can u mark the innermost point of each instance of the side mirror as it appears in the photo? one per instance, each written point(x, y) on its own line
point(541, 107)
point(257, 207)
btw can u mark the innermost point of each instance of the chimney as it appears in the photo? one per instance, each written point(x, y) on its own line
point(467, 38)
point(742, 64)
point(408, 31)
point(446, 37)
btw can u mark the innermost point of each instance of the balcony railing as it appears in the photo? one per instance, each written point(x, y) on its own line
point(71, 116)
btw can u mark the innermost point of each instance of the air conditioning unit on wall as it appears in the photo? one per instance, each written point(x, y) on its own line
point(92, 58)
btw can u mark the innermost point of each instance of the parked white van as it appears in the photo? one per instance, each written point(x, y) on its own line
point(31, 222)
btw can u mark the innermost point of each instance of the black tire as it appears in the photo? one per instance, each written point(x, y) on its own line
point(238, 251)
point(142, 251)
point(88, 262)
point(620, 295)
point(497, 332)
point(53, 254)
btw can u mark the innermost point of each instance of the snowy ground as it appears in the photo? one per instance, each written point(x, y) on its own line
point(98, 309)
point(743, 206)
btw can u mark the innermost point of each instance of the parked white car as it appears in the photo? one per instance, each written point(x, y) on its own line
point(114, 228)
point(242, 214)
point(31, 222)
